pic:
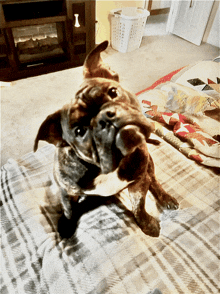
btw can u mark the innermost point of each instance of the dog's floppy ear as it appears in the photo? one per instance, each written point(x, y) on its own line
point(94, 67)
point(51, 131)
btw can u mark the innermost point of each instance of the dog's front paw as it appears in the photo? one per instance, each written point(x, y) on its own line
point(151, 227)
point(168, 202)
point(128, 139)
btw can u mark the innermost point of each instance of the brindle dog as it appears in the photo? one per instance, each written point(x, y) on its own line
point(101, 139)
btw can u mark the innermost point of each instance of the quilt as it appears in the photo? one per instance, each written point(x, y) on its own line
point(187, 113)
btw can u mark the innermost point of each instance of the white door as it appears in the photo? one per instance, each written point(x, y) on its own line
point(188, 19)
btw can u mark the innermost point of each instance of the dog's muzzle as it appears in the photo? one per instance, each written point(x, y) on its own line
point(112, 114)
point(106, 119)
point(107, 124)
point(120, 126)
point(120, 115)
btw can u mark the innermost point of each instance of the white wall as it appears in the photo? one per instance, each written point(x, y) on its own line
point(157, 4)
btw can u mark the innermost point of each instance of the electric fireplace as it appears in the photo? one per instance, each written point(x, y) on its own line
point(40, 36)
point(35, 44)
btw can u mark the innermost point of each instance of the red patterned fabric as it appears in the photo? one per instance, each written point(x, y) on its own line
point(183, 127)
point(204, 148)
point(161, 80)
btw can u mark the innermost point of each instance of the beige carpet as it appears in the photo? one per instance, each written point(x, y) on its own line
point(26, 103)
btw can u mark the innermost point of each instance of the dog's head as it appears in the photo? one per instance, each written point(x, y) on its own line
point(101, 101)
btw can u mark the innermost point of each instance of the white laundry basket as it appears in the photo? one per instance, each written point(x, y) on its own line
point(127, 28)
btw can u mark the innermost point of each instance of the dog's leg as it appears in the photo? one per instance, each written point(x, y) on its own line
point(68, 221)
point(68, 202)
point(162, 197)
point(138, 191)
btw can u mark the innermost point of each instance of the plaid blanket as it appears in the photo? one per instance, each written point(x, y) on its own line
point(109, 253)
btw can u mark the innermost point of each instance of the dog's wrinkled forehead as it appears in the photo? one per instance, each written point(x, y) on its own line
point(74, 114)
point(97, 91)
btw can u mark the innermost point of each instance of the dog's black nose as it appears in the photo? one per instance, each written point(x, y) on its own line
point(110, 113)
point(106, 118)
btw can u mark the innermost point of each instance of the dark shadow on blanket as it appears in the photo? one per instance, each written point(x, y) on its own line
point(67, 228)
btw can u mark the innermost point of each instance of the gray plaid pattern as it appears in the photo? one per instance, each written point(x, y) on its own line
point(109, 253)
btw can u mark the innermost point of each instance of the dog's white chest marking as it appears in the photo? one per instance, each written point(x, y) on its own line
point(108, 184)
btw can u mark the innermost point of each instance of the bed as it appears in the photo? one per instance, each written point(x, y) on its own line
point(108, 252)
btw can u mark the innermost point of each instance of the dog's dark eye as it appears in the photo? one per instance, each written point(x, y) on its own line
point(112, 92)
point(80, 131)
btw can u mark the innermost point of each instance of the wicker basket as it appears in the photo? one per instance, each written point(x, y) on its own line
point(127, 27)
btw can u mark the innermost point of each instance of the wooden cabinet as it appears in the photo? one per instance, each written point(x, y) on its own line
point(41, 36)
